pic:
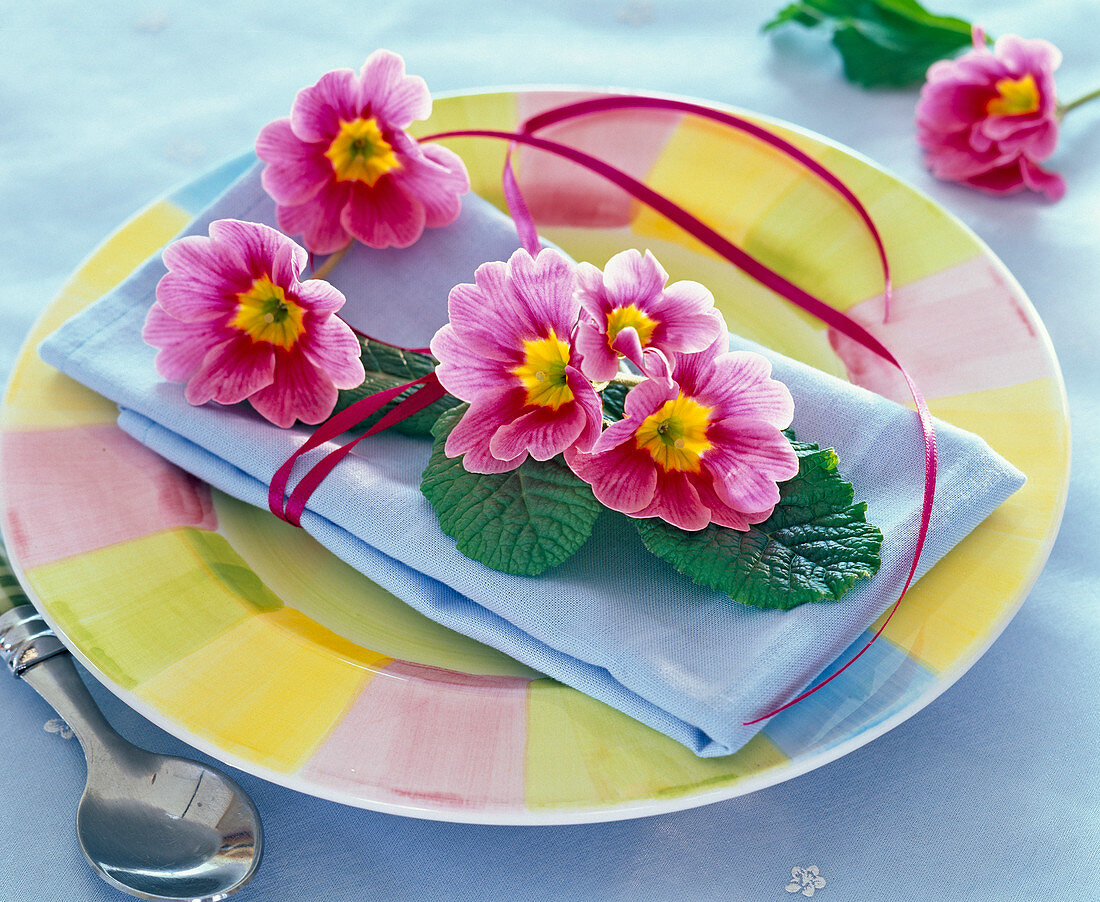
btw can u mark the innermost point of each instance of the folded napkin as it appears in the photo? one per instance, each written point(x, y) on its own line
point(613, 621)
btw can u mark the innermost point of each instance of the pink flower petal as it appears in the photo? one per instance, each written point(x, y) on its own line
point(590, 291)
point(295, 170)
point(318, 110)
point(747, 459)
point(740, 385)
point(946, 111)
point(195, 300)
point(463, 371)
point(622, 479)
point(264, 251)
point(383, 215)
point(390, 94)
point(723, 376)
point(438, 181)
point(689, 321)
point(499, 337)
point(1018, 176)
point(585, 397)
point(614, 435)
point(473, 433)
point(956, 160)
point(694, 370)
point(722, 514)
point(631, 278)
point(1023, 55)
point(546, 285)
point(183, 345)
point(598, 362)
point(655, 364)
point(298, 391)
point(318, 296)
point(676, 501)
point(515, 318)
point(319, 220)
point(629, 345)
point(1049, 183)
point(1013, 133)
point(231, 371)
point(645, 397)
point(203, 279)
point(541, 432)
point(332, 348)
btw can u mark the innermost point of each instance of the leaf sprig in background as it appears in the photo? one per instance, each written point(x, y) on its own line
point(888, 43)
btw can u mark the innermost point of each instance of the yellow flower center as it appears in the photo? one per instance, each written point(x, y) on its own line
point(266, 315)
point(676, 435)
point(1015, 97)
point(360, 153)
point(623, 317)
point(542, 372)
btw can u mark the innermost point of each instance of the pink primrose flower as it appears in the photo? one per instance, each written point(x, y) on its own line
point(342, 165)
point(508, 350)
point(988, 118)
point(707, 449)
point(233, 321)
point(633, 313)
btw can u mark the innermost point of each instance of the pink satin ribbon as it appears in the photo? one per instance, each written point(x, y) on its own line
point(735, 255)
point(290, 509)
point(379, 341)
point(635, 102)
point(430, 390)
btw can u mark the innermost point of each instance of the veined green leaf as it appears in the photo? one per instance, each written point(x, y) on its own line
point(521, 522)
point(882, 42)
point(613, 398)
point(387, 367)
point(814, 547)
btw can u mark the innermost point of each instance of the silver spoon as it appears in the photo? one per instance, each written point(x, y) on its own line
point(154, 826)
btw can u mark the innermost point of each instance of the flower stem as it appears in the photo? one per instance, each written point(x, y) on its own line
point(330, 264)
point(1064, 108)
point(628, 379)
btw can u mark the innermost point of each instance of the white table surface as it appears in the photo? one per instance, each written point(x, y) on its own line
point(991, 792)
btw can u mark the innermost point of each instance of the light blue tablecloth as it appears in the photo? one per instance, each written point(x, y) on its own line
point(989, 793)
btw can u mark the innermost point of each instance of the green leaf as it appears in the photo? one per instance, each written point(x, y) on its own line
point(795, 12)
point(882, 42)
point(521, 522)
point(614, 398)
point(814, 547)
point(386, 367)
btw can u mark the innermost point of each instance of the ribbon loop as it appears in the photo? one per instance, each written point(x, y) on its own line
point(430, 389)
point(748, 264)
point(346, 419)
point(640, 101)
point(428, 393)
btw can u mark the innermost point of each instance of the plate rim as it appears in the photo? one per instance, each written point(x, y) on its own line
point(560, 815)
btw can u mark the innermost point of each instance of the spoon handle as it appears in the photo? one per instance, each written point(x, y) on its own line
point(31, 650)
point(25, 639)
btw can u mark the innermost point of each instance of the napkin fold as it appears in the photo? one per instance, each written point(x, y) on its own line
point(613, 621)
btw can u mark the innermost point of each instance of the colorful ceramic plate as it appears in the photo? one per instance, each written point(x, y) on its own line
point(242, 636)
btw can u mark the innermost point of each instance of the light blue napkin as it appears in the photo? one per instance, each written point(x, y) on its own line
point(613, 620)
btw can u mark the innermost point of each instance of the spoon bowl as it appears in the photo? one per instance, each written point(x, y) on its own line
point(168, 828)
point(155, 826)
